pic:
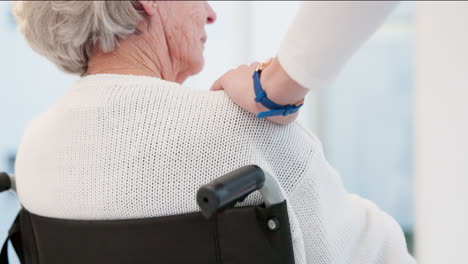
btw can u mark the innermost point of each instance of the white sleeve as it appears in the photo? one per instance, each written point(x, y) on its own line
point(325, 34)
point(338, 227)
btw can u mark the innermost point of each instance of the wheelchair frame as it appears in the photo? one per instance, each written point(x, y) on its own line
point(220, 233)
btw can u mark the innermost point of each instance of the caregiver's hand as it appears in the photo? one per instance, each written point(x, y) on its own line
point(279, 87)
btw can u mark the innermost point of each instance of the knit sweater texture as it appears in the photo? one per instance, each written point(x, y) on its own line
point(126, 147)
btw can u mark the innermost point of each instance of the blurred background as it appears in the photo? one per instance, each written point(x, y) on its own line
point(366, 119)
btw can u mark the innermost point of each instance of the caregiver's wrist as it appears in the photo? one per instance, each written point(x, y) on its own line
point(279, 87)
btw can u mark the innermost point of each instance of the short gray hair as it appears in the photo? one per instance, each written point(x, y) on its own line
point(66, 32)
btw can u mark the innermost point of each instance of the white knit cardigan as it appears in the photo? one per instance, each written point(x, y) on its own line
point(122, 146)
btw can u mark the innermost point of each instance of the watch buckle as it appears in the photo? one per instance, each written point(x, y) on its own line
point(298, 103)
point(264, 64)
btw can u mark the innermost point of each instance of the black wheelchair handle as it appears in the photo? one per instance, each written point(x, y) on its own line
point(5, 182)
point(227, 190)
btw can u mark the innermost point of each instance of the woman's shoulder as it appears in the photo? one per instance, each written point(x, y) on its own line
point(153, 103)
point(151, 100)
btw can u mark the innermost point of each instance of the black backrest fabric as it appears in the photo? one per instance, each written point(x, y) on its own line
point(236, 236)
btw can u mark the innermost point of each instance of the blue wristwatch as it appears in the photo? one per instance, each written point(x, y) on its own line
point(261, 97)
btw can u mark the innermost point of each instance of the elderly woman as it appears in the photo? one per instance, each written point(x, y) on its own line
point(129, 141)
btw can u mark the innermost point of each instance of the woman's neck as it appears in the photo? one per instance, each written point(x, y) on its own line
point(137, 55)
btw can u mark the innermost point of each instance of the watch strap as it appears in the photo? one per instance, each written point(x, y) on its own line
point(275, 109)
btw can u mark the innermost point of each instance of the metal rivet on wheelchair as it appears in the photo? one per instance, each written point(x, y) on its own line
point(273, 224)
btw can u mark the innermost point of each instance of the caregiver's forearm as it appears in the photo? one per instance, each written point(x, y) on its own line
point(325, 34)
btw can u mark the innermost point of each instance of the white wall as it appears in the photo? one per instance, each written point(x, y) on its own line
point(367, 118)
point(29, 84)
point(442, 132)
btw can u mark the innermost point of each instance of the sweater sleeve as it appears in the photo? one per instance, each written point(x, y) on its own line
point(325, 34)
point(338, 227)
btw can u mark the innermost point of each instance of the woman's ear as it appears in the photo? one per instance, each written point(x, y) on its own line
point(149, 7)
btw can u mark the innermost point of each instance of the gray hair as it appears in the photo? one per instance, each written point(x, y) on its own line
point(66, 32)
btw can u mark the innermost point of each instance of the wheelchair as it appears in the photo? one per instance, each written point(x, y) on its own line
point(219, 234)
